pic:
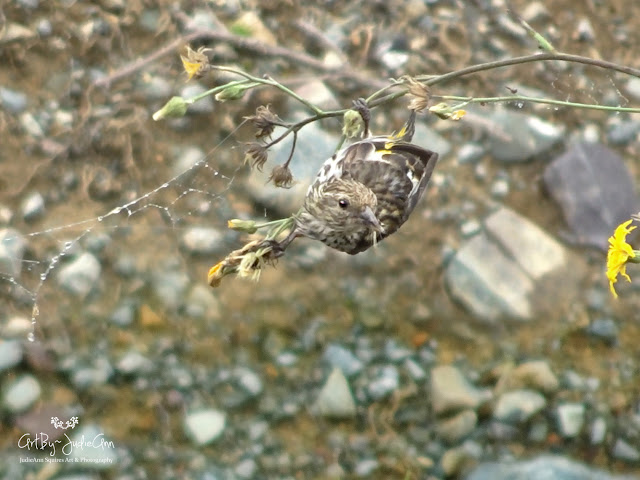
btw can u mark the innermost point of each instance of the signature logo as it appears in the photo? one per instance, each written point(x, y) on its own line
point(71, 423)
point(92, 439)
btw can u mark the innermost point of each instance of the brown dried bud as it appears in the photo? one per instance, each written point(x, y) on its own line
point(265, 121)
point(420, 94)
point(255, 155)
point(281, 176)
point(195, 62)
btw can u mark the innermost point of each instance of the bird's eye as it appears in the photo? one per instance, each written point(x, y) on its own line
point(343, 202)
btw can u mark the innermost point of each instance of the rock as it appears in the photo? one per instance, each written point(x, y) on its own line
point(32, 207)
point(339, 357)
point(536, 375)
point(81, 275)
point(633, 87)
point(12, 247)
point(387, 382)
point(13, 101)
point(186, 159)
point(518, 406)
point(605, 329)
point(20, 394)
point(470, 153)
point(451, 391)
point(517, 137)
point(134, 363)
point(626, 452)
point(202, 303)
point(204, 426)
point(204, 106)
point(570, 419)
point(10, 354)
point(501, 271)
point(335, 399)
point(170, 287)
point(92, 449)
point(455, 428)
point(543, 467)
point(313, 147)
point(598, 431)
point(594, 190)
point(316, 92)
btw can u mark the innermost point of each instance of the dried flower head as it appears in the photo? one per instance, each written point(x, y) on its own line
point(265, 121)
point(419, 92)
point(281, 176)
point(255, 155)
point(249, 261)
point(195, 62)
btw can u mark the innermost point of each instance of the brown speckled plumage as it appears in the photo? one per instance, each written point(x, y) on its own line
point(366, 191)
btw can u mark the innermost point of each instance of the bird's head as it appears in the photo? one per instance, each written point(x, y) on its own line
point(345, 205)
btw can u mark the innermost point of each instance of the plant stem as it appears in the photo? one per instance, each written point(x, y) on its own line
point(523, 98)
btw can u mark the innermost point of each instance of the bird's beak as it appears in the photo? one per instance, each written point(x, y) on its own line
point(370, 219)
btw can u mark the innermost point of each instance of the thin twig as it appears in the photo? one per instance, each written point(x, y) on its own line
point(537, 57)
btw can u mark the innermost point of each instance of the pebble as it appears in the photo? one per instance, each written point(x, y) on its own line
point(335, 399)
point(598, 431)
point(451, 391)
point(32, 207)
point(81, 275)
point(570, 419)
point(99, 373)
point(13, 101)
point(31, 125)
point(204, 426)
point(605, 329)
point(185, 159)
point(12, 248)
point(202, 303)
point(386, 382)
point(518, 406)
point(633, 87)
point(340, 357)
point(20, 394)
point(202, 241)
point(11, 353)
point(470, 153)
point(124, 315)
point(536, 375)
point(517, 136)
point(170, 287)
point(543, 467)
point(622, 450)
point(455, 428)
point(95, 450)
point(134, 363)
point(204, 106)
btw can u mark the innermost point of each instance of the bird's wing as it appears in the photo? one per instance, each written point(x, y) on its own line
point(397, 172)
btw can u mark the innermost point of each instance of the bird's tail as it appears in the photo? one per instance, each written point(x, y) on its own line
point(406, 133)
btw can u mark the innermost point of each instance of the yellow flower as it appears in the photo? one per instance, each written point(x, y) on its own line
point(619, 254)
point(195, 62)
point(192, 68)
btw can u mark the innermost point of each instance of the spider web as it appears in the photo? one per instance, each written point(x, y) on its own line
point(155, 221)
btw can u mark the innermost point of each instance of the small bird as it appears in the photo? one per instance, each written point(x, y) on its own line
point(365, 192)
